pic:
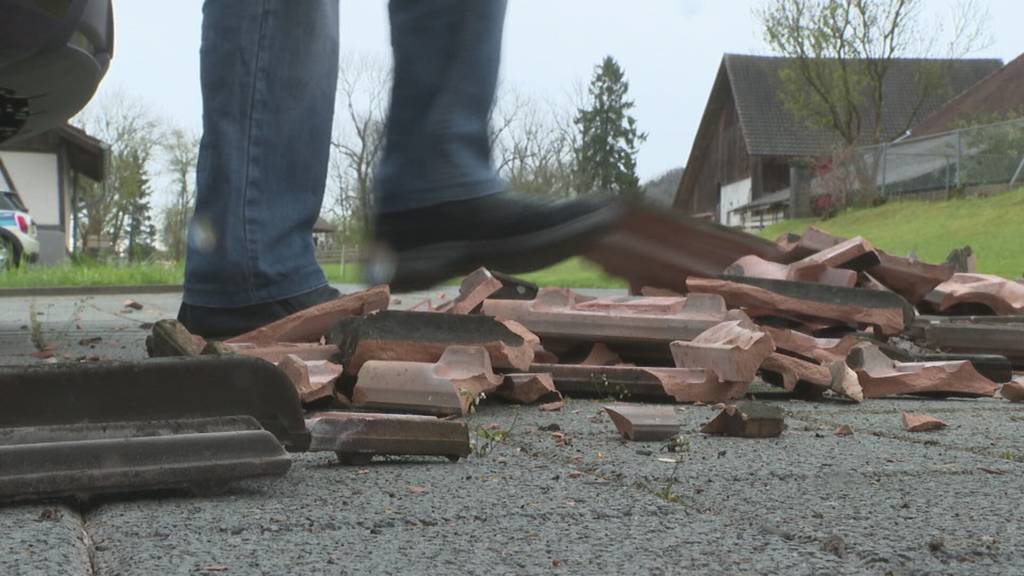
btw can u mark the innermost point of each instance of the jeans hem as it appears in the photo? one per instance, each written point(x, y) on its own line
point(218, 296)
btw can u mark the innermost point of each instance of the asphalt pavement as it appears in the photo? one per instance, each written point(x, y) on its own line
point(563, 494)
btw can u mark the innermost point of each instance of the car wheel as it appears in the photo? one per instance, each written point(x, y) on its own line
point(9, 257)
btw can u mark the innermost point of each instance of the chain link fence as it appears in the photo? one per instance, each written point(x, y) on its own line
point(935, 166)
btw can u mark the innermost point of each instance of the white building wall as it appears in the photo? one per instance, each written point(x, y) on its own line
point(37, 180)
point(734, 195)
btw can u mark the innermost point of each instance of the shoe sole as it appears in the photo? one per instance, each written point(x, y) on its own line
point(423, 267)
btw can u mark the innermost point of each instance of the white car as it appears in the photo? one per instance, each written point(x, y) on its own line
point(18, 241)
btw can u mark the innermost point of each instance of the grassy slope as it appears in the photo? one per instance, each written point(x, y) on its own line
point(993, 227)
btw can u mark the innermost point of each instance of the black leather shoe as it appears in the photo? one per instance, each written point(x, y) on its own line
point(510, 232)
point(223, 323)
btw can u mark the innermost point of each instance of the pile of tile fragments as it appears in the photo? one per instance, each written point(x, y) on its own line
point(826, 318)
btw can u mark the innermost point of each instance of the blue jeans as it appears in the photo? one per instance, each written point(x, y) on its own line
point(269, 73)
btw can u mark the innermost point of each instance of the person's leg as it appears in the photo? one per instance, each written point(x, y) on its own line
point(437, 146)
point(441, 210)
point(268, 74)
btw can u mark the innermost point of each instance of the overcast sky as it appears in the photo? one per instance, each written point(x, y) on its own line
point(670, 50)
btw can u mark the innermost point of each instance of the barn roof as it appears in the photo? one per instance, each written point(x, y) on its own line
point(995, 97)
point(770, 128)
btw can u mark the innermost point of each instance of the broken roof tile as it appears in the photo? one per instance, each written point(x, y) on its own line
point(855, 253)
point(171, 338)
point(358, 436)
point(475, 288)
point(881, 376)
point(561, 314)
point(601, 355)
point(1002, 296)
point(643, 423)
point(885, 310)
point(1013, 390)
point(274, 353)
point(835, 376)
point(843, 430)
point(921, 422)
point(313, 379)
point(631, 382)
point(911, 279)
point(730, 350)
point(820, 349)
point(754, 267)
point(747, 420)
point(449, 386)
point(424, 337)
point(528, 388)
point(311, 324)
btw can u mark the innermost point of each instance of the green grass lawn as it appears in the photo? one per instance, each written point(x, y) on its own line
point(91, 275)
point(992, 226)
point(572, 273)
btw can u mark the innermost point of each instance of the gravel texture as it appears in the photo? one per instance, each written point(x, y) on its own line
point(562, 494)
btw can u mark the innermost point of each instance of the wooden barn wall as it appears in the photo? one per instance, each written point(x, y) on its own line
point(723, 160)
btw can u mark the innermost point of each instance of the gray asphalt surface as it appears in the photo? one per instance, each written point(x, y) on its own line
point(879, 502)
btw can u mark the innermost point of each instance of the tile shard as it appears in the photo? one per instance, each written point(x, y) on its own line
point(1013, 390)
point(562, 314)
point(730, 350)
point(821, 349)
point(475, 288)
point(358, 436)
point(747, 420)
point(313, 379)
point(754, 267)
point(601, 355)
point(1002, 338)
point(644, 423)
point(921, 422)
point(528, 389)
point(909, 278)
point(170, 338)
point(881, 376)
point(424, 336)
point(854, 306)
point(311, 324)
point(684, 385)
point(1002, 296)
point(834, 375)
point(276, 352)
point(843, 430)
point(855, 253)
point(448, 387)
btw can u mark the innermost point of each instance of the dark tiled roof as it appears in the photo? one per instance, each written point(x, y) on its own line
point(771, 129)
point(998, 95)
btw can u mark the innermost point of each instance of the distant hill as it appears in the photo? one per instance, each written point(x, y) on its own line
point(662, 190)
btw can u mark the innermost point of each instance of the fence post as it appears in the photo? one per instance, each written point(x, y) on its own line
point(885, 166)
point(1016, 174)
point(343, 260)
point(959, 153)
